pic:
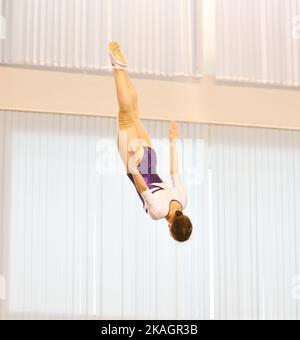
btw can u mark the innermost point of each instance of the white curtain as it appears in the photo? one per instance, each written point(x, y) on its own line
point(157, 35)
point(258, 41)
point(256, 222)
point(2, 29)
point(76, 241)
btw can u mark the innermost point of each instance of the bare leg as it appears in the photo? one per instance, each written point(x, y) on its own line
point(126, 94)
point(130, 126)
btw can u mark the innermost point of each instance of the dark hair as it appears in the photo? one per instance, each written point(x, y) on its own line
point(181, 228)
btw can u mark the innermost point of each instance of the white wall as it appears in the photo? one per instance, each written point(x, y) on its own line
point(204, 101)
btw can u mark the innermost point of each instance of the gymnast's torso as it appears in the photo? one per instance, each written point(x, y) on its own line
point(156, 200)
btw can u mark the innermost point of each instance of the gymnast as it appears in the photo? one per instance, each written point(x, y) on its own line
point(160, 200)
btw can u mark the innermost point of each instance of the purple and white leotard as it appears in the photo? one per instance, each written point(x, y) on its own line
point(157, 198)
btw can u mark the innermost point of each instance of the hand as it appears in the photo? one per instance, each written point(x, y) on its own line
point(133, 163)
point(136, 153)
point(173, 132)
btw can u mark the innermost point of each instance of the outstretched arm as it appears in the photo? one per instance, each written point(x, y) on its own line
point(133, 161)
point(153, 206)
point(173, 137)
point(174, 167)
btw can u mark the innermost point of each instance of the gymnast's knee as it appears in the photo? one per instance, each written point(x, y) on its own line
point(127, 119)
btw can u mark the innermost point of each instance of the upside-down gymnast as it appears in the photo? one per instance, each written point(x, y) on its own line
point(160, 200)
